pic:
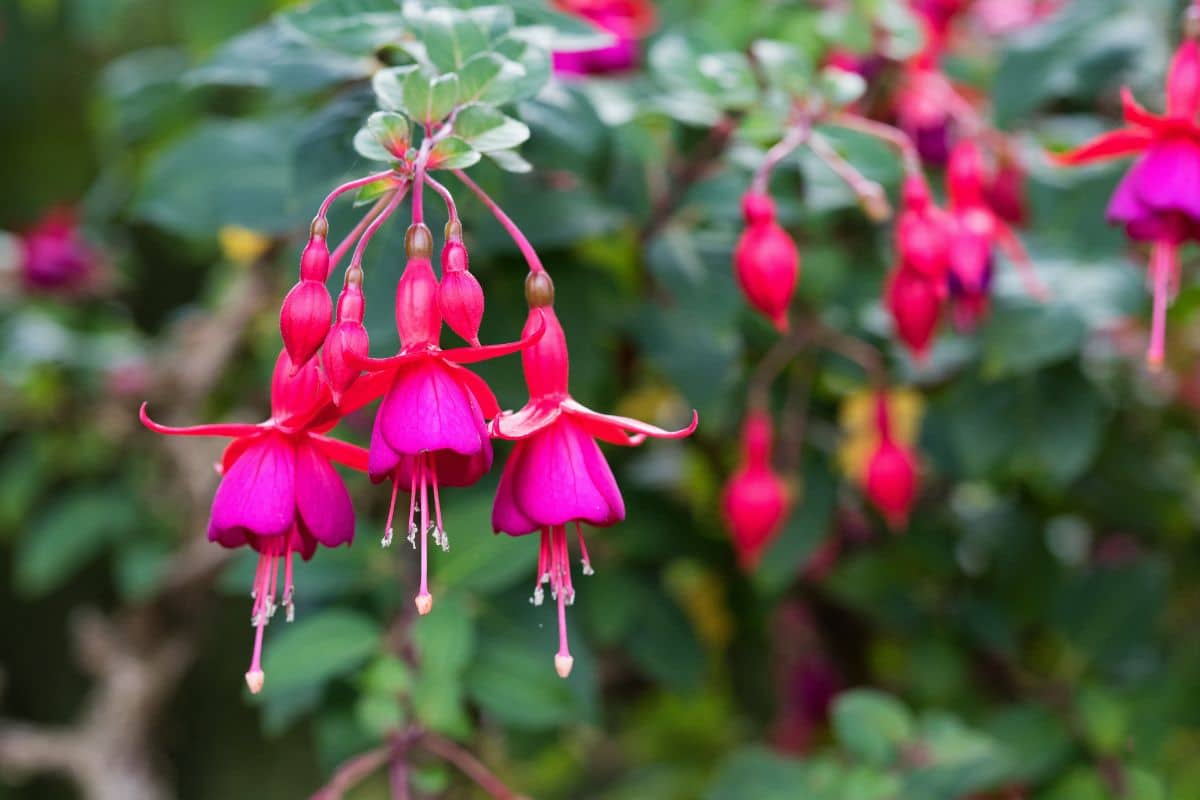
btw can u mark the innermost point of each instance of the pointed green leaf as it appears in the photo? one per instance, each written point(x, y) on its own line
point(489, 77)
point(510, 161)
point(494, 21)
point(452, 38)
point(392, 130)
point(443, 96)
point(453, 153)
point(373, 191)
point(389, 87)
point(487, 129)
point(367, 145)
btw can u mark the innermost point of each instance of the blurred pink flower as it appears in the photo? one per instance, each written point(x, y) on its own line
point(627, 20)
point(55, 256)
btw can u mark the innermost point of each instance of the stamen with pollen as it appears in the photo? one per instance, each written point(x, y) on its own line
point(439, 533)
point(583, 558)
point(424, 599)
point(388, 532)
point(412, 505)
point(554, 562)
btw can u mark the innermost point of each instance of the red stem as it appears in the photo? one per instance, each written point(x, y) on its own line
point(531, 256)
point(795, 136)
point(352, 772)
point(346, 187)
point(356, 258)
point(352, 237)
point(470, 766)
point(448, 198)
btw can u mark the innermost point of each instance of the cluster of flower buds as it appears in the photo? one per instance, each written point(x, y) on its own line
point(279, 493)
point(1158, 201)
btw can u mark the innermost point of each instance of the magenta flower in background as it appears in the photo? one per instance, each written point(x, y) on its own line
point(627, 20)
point(556, 476)
point(55, 256)
point(279, 493)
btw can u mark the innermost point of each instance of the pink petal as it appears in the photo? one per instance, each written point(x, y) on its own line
point(573, 407)
point(507, 516)
point(563, 477)
point(478, 387)
point(258, 493)
point(346, 454)
point(427, 409)
point(321, 498)
point(1115, 144)
point(471, 355)
point(220, 429)
point(524, 423)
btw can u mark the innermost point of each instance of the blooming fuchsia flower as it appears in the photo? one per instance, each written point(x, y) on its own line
point(55, 256)
point(279, 493)
point(430, 430)
point(556, 476)
point(628, 21)
point(755, 501)
point(1158, 201)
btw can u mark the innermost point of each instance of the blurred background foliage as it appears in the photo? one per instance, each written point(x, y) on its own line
point(1033, 633)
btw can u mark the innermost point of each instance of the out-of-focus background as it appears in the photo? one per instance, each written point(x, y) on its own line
point(1032, 634)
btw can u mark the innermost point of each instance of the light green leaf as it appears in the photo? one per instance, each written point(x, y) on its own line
point(392, 130)
point(785, 66)
point(389, 87)
point(451, 38)
point(489, 77)
point(510, 161)
point(871, 725)
point(487, 129)
point(367, 145)
point(841, 87)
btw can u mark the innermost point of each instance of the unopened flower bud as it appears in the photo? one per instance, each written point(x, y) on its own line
point(304, 319)
point(418, 241)
point(539, 289)
point(347, 339)
point(460, 297)
point(914, 302)
point(314, 261)
point(766, 263)
point(757, 208)
point(755, 501)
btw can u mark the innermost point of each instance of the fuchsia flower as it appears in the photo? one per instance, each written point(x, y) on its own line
point(430, 430)
point(1158, 201)
point(627, 20)
point(556, 476)
point(279, 493)
point(891, 477)
point(55, 256)
point(755, 501)
point(766, 262)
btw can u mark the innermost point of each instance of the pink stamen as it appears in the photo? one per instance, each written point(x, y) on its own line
point(386, 541)
point(412, 505)
point(289, 590)
point(439, 533)
point(584, 560)
point(254, 675)
point(539, 594)
point(1162, 265)
point(424, 599)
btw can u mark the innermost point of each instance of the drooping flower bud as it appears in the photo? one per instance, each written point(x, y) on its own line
point(891, 478)
point(314, 261)
point(348, 338)
point(304, 319)
point(418, 318)
point(460, 297)
point(766, 262)
point(966, 174)
point(914, 303)
point(755, 501)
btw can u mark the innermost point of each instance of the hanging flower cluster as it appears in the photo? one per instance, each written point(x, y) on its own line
point(1158, 200)
point(436, 422)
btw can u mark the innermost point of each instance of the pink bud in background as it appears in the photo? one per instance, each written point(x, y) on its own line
point(766, 262)
point(914, 303)
point(755, 501)
point(1006, 194)
point(54, 255)
point(460, 297)
point(891, 479)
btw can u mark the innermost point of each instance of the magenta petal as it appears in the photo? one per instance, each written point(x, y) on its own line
point(507, 516)
point(1169, 178)
point(322, 499)
point(427, 410)
point(527, 421)
point(563, 477)
point(258, 493)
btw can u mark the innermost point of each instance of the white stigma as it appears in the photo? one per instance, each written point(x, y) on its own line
point(424, 603)
point(587, 567)
point(563, 664)
point(255, 679)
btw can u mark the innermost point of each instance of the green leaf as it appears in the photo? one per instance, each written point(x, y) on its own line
point(451, 38)
point(445, 638)
point(453, 153)
point(841, 87)
point(352, 26)
point(373, 191)
point(70, 534)
point(510, 161)
point(367, 145)
point(871, 725)
point(273, 57)
point(443, 96)
point(785, 66)
point(1023, 338)
point(757, 774)
point(724, 78)
point(389, 87)
point(316, 649)
point(229, 172)
point(490, 78)
point(533, 59)
point(487, 129)
point(477, 558)
point(392, 130)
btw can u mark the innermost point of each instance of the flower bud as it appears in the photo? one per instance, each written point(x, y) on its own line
point(418, 318)
point(757, 208)
point(766, 263)
point(892, 482)
point(755, 501)
point(966, 174)
point(304, 319)
point(1006, 194)
point(314, 261)
point(295, 388)
point(418, 241)
point(914, 304)
point(460, 297)
point(348, 337)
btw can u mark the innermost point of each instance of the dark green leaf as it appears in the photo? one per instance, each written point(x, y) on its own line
point(315, 649)
point(871, 725)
